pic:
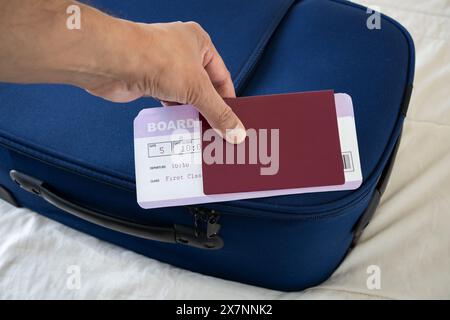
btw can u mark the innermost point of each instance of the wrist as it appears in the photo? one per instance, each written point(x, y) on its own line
point(128, 51)
point(114, 50)
point(95, 50)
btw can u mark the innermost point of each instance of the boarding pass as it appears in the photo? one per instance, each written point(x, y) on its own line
point(168, 157)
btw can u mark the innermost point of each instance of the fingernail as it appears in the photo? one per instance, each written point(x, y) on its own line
point(236, 135)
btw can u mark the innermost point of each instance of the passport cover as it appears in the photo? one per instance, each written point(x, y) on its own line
point(309, 145)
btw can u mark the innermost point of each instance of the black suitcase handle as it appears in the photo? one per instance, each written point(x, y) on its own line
point(176, 234)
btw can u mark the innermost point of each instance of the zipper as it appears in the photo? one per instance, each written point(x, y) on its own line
point(244, 205)
point(211, 215)
point(205, 219)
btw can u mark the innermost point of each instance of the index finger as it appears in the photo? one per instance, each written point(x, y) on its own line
point(218, 74)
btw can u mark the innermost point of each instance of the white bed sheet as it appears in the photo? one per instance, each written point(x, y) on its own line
point(409, 238)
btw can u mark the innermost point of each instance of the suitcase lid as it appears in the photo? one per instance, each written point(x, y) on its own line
point(69, 128)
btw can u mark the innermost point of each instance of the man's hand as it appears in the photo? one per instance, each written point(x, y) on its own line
point(116, 59)
point(175, 63)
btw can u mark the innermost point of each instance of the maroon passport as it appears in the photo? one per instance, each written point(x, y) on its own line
point(308, 153)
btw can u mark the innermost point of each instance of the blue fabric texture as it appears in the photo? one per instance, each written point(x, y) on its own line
point(83, 146)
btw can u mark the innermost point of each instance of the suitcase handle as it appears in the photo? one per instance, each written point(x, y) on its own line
point(176, 234)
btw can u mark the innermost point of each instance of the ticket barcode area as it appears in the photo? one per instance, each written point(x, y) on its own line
point(348, 161)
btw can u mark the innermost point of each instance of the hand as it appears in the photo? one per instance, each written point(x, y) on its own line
point(176, 63)
point(116, 59)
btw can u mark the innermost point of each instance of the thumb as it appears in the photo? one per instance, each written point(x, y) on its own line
point(218, 114)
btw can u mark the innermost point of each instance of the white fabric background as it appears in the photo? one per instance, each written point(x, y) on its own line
point(409, 238)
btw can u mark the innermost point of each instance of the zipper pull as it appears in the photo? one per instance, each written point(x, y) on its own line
point(205, 232)
point(212, 228)
point(208, 216)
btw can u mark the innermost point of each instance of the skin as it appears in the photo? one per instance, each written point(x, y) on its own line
point(116, 59)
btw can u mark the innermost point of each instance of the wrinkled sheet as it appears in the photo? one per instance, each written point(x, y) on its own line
point(408, 240)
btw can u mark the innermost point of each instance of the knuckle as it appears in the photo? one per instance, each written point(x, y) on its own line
point(198, 29)
point(223, 80)
point(194, 25)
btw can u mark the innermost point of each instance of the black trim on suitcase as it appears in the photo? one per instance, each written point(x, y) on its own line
point(364, 220)
point(175, 234)
point(8, 197)
point(406, 99)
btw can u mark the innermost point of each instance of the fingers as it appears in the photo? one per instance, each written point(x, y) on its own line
point(219, 115)
point(219, 74)
point(213, 63)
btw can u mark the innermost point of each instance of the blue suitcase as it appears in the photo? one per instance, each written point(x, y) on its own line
point(71, 154)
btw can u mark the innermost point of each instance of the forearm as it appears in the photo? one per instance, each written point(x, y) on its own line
point(37, 46)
